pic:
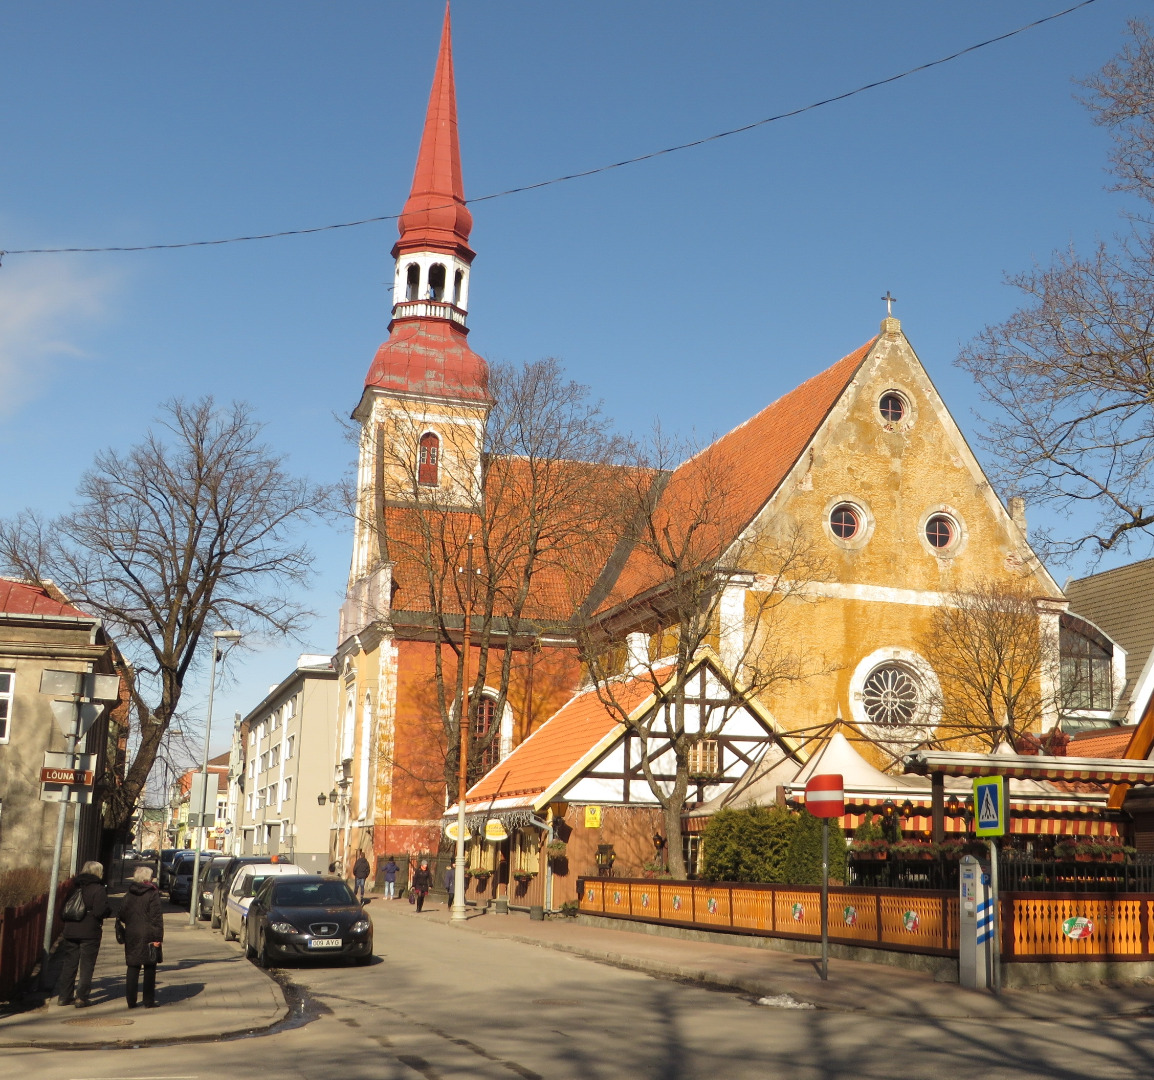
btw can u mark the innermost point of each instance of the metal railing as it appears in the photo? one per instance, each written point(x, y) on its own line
point(1016, 872)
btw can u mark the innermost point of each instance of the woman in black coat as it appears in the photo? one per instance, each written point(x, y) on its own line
point(82, 937)
point(141, 925)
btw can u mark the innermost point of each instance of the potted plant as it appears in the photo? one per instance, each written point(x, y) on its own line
point(524, 876)
point(952, 850)
point(482, 877)
point(870, 849)
point(911, 849)
point(557, 849)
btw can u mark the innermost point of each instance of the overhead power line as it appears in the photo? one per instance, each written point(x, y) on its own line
point(576, 175)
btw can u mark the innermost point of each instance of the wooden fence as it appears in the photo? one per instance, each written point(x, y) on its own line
point(22, 938)
point(1035, 927)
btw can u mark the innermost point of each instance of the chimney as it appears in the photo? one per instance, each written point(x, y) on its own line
point(1018, 513)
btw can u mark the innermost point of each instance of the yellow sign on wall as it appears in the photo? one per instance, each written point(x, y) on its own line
point(593, 817)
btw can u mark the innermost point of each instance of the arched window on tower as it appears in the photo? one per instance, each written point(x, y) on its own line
point(413, 282)
point(458, 281)
point(486, 736)
point(1086, 665)
point(436, 282)
point(429, 460)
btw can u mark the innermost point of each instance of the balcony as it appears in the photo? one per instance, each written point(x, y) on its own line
point(428, 309)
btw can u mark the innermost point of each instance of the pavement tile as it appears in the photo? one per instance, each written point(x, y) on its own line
point(853, 985)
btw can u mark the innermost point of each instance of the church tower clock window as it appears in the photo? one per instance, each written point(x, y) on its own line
point(429, 460)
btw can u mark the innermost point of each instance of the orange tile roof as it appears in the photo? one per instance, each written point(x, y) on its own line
point(555, 747)
point(25, 598)
point(1101, 744)
point(720, 490)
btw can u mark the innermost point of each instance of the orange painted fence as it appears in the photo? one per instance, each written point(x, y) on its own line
point(1035, 926)
point(22, 937)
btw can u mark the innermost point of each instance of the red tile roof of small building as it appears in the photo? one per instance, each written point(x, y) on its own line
point(24, 598)
point(1101, 744)
point(558, 744)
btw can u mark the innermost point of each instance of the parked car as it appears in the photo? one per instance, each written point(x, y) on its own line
point(223, 883)
point(209, 876)
point(180, 876)
point(244, 887)
point(297, 918)
point(164, 877)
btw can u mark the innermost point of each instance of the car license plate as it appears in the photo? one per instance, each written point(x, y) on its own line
point(325, 943)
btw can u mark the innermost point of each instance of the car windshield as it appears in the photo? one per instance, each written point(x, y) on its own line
point(312, 894)
point(253, 885)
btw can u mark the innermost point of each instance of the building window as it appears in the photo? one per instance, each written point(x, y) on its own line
point(264, 762)
point(436, 282)
point(486, 730)
point(7, 685)
point(290, 709)
point(248, 802)
point(260, 733)
point(1087, 675)
point(412, 281)
point(252, 737)
point(704, 758)
point(289, 747)
point(261, 796)
point(429, 460)
point(892, 696)
point(940, 532)
point(274, 757)
point(893, 407)
point(458, 281)
point(845, 521)
point(286, 789)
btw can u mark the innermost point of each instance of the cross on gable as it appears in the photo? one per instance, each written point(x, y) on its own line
point(890, 301)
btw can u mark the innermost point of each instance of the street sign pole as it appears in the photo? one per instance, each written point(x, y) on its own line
point(824, 898)
point(991, 820)
point(57, 851)
point(995, 950)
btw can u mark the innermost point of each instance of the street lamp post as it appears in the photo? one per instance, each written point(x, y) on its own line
point(460, 912)
point(232, 637)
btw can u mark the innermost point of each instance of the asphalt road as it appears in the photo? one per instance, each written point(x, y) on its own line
point(444, 1003)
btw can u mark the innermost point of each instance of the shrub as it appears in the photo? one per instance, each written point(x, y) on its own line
point(747, 845)
point(20, 885)
point(803, 861)
point(869, 830)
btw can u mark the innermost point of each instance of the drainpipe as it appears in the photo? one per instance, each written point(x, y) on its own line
point(547, 828)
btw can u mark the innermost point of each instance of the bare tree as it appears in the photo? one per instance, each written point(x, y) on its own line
point(189, 531)
point(530, 521)
point(1072, 371)
point(997, 665)
point(689, 585)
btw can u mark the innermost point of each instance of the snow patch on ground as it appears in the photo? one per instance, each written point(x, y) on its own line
point(784, 1001)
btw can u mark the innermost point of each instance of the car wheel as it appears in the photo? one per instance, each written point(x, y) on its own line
point(245, 944)
point(262, 955)
point(214, 923)
point(228, 934)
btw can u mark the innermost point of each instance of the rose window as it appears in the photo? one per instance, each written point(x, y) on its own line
point(891, 695)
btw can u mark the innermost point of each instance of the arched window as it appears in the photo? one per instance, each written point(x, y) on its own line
point(429, 460)
point(487, 734)
point(436, 282)
point(1086, 660)
point(413, 282)
point(458, 281)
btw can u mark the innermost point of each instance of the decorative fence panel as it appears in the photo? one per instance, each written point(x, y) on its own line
point(1035, 926)
point(22, 937)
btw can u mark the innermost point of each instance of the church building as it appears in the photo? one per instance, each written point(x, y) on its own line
point(862, 465)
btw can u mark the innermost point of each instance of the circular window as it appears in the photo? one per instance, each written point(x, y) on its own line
point(845, 521)
point(940, 531)
point(892, 696)
point(892, 407)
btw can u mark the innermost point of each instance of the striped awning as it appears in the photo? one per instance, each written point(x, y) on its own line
point(1031, 767)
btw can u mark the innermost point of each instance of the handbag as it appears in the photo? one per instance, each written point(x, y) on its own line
point(412, 897)
point(155, 954)
point(119, 929)
point(75, 909)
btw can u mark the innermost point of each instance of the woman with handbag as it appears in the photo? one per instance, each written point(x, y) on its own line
point(140, 928)
point(83, 915)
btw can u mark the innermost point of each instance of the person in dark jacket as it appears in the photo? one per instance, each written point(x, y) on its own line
point(391, 869)
point(360, 876)
point(422, 883)
point(141, 925)
point(82, 939)
point(450, 879)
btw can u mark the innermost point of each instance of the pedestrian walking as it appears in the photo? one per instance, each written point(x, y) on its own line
point(450, 879)
point(360, 876)
point(422, 883)
point(140, 926)
point(81, 935)
point(391, 869)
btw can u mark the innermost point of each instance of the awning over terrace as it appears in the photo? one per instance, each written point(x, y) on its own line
point(1031, 767)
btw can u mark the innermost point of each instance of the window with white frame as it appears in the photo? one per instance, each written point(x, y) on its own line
point(286, 789)
point(248, 802)
point(274, 720)
point(264, 762)
point(261, 796)
point(252, 737)
point(261, 731)
point(290, 709)
point(274, 757)
point(290, 747)
point(7, 690)
point(704, 758)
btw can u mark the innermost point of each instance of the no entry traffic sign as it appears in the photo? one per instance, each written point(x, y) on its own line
point(824, 796)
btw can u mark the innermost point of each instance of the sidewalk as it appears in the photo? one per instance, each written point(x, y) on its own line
point(853, 986)
point(205, 989)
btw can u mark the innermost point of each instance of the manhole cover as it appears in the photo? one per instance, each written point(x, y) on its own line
point(555, 1001)
point(100, 1021)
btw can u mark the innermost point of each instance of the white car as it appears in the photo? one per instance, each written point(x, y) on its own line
point(244, 886)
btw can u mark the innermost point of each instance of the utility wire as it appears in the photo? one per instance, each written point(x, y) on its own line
point(577, 175)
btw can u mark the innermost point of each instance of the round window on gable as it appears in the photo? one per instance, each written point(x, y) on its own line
point(893, 407)
point(845, 521)
point(941, 532)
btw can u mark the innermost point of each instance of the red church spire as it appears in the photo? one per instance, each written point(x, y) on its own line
point(427, 355)
point(435, 217)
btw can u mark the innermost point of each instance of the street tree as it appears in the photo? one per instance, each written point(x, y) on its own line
point(1071, 372)
point(191, 530)
point(997, 666)
point(502, 542)
point(696, 577)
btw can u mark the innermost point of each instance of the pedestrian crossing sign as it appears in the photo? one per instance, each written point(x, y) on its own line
point(989, 806)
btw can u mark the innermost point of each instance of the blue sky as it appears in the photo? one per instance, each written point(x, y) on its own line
point(695, 288)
